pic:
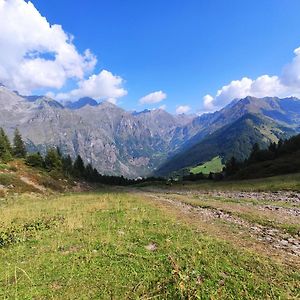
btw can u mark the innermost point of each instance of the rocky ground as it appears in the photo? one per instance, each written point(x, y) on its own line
point(286, 196)
point(282, 205)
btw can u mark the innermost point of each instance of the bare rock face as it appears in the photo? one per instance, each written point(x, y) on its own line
point(111, 139)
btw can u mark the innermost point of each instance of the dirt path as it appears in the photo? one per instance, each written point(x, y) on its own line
point(270, 236)
point(35, 185)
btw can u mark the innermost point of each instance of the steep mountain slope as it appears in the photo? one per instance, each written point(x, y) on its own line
point(124, 143)
point(235, 139)
point(284, 111)
point(282, 159)
point(113, 140)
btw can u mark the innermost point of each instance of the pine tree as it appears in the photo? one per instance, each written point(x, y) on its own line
point(6, 140)
point(78, 168)
point(19, 149)
point(96, 175)
point(88, 172)
point(67, 165)
point(5, 147)
point(52, 160)
point(35, 160)
point(231, 166)
point(254, 153)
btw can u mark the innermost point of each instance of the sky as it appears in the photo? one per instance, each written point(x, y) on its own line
point(190, 56)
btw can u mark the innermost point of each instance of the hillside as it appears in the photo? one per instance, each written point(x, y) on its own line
point(215, 165)
point(283, 158)
point(285, 112)
point(235, 139)
point(18, 178)
point(289, 163)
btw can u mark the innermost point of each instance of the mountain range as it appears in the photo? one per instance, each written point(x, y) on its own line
point(118, 142)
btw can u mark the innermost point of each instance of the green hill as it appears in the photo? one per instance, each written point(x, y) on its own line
point(283, 158)
point(235, 139)
point(215, 165)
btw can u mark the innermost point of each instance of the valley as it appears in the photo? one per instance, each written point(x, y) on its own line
point(149, 150)
point(150, 142)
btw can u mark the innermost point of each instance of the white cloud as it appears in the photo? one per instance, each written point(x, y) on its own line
point(287, 84)
point(112, 100)
point(104, 86)
point(163, 107)
point(182, 109)
point(154, 97)
point(35, 54)
point(208, 102)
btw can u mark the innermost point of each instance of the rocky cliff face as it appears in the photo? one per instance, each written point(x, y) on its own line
point(113, 140)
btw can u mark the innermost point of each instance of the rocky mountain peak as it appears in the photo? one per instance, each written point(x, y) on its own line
point(81, 103)
point(45, 102)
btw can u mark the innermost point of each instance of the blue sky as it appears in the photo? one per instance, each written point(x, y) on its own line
point(186, 49)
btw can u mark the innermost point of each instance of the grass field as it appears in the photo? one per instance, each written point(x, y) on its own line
point(123, 244)
point(215, 165)
point(276, 183)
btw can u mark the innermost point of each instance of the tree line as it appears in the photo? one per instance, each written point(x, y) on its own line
point(285, 155)
point(56, 162)
point(278, 158)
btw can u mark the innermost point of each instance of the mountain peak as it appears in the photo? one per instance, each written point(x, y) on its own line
point(136, 113)
point(8, 99)
point(44, 101)
point(81, 103)
point(107, 104)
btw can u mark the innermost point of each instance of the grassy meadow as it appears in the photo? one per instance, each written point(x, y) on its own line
point(290, 182)
point(118, 244)
point(215, 165)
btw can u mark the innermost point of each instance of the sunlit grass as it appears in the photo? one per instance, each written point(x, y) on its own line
point(99, 251)
point(215, 165)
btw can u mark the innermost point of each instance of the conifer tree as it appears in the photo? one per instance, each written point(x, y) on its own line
point(19, 149)
point(35, 160)
point(78, 168)
point(67, 165)
point(231, 166)
point(254, 153)
point(5, 147)
point(52, 160)
point(89, 172)
point(6, 140)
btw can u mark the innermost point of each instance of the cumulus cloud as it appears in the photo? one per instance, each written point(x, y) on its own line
point(163, 107)
point(285, 85)
point(104, 86)
point(35, 54)
point(208, 102)
point(182, 109)
point(38, 55)
point(154, 97)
